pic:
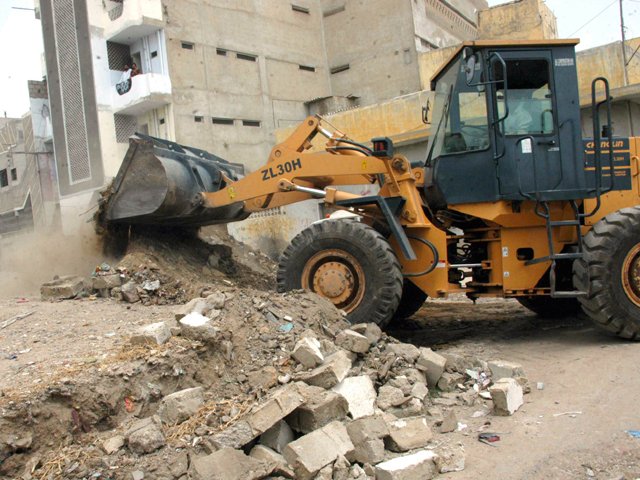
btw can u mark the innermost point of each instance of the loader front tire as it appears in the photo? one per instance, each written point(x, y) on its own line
point(610, 273)
point(347, 262)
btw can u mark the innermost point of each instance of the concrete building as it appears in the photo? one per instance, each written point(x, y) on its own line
point(222, 75)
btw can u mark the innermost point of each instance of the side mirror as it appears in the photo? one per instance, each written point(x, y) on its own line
point(425, 112)
point(471, 65)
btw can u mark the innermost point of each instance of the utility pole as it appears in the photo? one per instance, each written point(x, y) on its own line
point(624, 48)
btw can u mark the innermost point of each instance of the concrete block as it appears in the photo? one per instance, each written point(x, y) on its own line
point(228, 464)
point(414, 375)
point(307, 352)
point(284, 401)
point(417, 466)
point(401, 382)
point(195, 326)
point(370, 330)
point(145, 436)
point(62, 288)
point(419, 391)
point(367, 428)
point(334, 369)
point(503, 369)
point(113, 444)
point(507, 396)
point(408, 434)
point(411, 408)
point(276, 462)
point(360, 395)
point(311, 452)
point(448, 381)
point(215, 301)
point(352, 341)
point(404, 350)
point(236, 435)
point(369, 451)
point(389, 396)
point(455, 362)
point(278, 436)
point(179, 406)
point(432, 364)
point(106, 282)
point(197, 305)
point(129, 292)
point(320, 409)
point(154, 334)
point(451, 459)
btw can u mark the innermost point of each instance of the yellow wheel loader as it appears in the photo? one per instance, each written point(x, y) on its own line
point(510, 200)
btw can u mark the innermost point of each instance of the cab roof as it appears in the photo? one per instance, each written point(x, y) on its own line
point(504, 44)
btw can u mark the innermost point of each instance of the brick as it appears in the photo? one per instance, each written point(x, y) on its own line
point(320, 409)
point(417, 466)
point(432, 364)
point(359, 394)
point(408, 434)
point(507, 396)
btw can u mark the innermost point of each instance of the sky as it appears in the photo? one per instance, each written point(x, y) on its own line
point(595, 22)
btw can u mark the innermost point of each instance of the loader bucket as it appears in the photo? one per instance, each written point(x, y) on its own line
point(159, 183)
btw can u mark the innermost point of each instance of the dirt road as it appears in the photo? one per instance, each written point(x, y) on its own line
point(583, 370)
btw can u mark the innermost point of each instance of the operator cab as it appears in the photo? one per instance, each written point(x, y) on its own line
point(506, 125)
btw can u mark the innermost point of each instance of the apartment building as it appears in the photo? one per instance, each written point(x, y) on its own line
point(223, 75)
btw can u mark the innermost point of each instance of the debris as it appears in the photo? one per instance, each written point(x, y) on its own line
point(419, 466)
point(145, 436)
point(129, 292)
point(154, 334)
point(228, 464)
point(113, 444)
point(408, 434)
point(406, 351)
point(489, 438)
point(137, 475)
point(278, 436)
point(633, 433)
point(449, 381)
point(352, 341)
point(179, 406)
point(322, 407)
point(195, 326)
point(570, 414)
point(307, 352)
point(360, 395)
point(276, 462)
point(151, 286)
point(449, 423)
point(334, 369)
point(451, 459)
point(14, 319)
point(507, 396)
point(286, 327)
point(389, 396)
point(197, 305)
point(369, 330)
point(62, 288)
point(432, 364)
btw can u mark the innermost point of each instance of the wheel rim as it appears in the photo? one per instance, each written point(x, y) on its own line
point(631, 275)
point(337, 276)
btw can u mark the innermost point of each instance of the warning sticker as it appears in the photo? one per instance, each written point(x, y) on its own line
point(564, 62)
point(526, 145)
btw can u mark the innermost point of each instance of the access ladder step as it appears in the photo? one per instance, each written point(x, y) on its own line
point(564, 223)
point(572, 294)
point(555, 256)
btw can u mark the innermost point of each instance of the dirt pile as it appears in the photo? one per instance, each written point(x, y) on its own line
point(249, 384)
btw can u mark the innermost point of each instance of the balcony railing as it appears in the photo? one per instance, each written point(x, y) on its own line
point(148, 91)
point(132, 19)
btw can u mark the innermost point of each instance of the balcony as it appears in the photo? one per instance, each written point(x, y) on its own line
point(148, 91)
point(130, 20)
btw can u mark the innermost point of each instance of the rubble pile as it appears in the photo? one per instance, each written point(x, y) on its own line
point(246, 384)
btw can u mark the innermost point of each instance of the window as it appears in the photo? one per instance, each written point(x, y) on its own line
point(161, 121)
point(528, 97)
point(222, 121)
point(246, 56)
point(467, 128)
point(14, 175)
point(250, 123)
point(299, 8)
point(221, 51)
point(339, 69)
point(4, 180)
point(188, 45)
point(307, 68)
point(154, 54)
point(198, 119)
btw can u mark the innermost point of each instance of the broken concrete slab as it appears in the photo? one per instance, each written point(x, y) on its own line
point(370, 330)
point(106, 282)
point(419, 391)
point(113, 444)
point(307, 352)
point(352, 341)
point(507, 396)
point(334, 369)
point(228, 464)
point(129, 292)
point(503, 369)
point(276, 462)
point(195, 326)
point(145, 436)
point(401, 382)
point(451, 459)
point(197, 305)
point(408, 434)
point(369, 451)
point(404, 350)
point(236, 435)
point(432, 364)
point(62, 288)
point(321, 408)
point(389, 396)
point(311, 452)
point(278, 436)
point(284, 401)
point(154, 334)
point(179, 406)
point(417, 466)
point(448, 381)
point(360, 395)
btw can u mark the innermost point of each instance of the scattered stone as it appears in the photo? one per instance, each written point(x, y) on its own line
point(503, 369)
point(367, 428)
point(334, 369)
point(106, 282)
point(216, 301)
point(154, 334)
point(197, 305)
point(62, 288)
point(307, 352)
point(414, 375)
point(411, 408)
point(151, 285)
point(408, 434)
point(360, 395)
point(432, 364)
point(228, 464)
point(278, 436)
point(311, 452)
point(419, 391)
point(264, 378)
point(507, 396)
point(389, 396)
point(369, 330)
point(129, 292)
point(540, 386)
point(113, 444)
point(145, 436)
point(137, 475)
point(417, 466)
point(341, 468)
point(455, 362)
point(179, 406)
point(322, 407)
point(369, 451)
point(236, 435)
point(352, 341)
point(195, 326)
point(402, 383)
point(449, 422)
point(277, 463)
point(449, 381)
point(284, 401)
point(451, 459)
point(404, 350)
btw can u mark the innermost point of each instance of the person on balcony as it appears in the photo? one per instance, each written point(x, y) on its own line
point(124, 85)
point(135, 70)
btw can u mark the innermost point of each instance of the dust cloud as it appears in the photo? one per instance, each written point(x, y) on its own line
point(28, 260)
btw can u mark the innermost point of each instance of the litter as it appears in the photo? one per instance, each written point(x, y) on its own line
point(571, 414)
point(12, 320)
point(285, 328)
point(489, 438)
point(633, 433)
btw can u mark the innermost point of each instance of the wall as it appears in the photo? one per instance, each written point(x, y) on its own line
point(521, 19)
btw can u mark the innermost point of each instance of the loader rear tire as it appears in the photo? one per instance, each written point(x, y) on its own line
point(412, 299)
point(610, 272)
point(347, 262)
point(547, 307)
